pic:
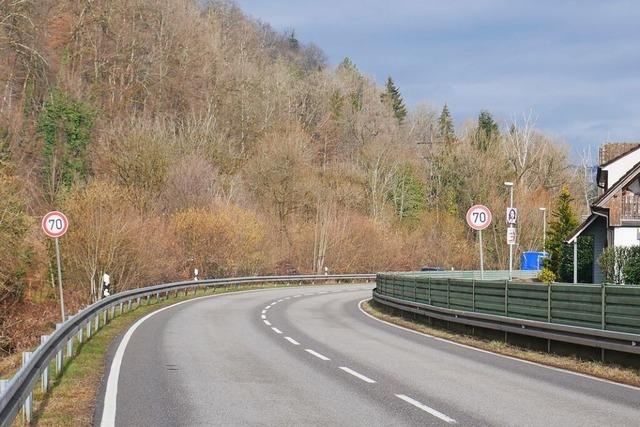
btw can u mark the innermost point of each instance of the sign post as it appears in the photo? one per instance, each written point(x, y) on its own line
point(55, 224)
point(479, 218)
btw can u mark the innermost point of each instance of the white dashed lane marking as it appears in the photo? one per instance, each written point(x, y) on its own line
point(276, 330)
point(316, 354)
point(426, 408)
point(266, 322)
point(357, 375)
point(292, 341)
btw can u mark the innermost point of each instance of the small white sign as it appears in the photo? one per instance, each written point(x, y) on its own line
point(478, 217)
point(512, 236)
point(512, 215)
point(106, 279)
point(55, 224)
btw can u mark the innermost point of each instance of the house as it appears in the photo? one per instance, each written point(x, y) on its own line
point(615, 214)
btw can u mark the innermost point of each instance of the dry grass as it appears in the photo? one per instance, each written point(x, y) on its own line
point(601, 370)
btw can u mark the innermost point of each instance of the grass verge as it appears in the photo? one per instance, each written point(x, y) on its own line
point(72, 396)
point(601, 370)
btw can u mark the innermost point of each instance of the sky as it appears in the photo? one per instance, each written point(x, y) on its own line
point(574, 64)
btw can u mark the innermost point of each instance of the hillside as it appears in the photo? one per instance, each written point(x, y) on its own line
point(177, 135)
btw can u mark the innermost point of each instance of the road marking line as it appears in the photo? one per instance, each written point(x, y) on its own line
point(358, 375)
point(266, 322)
point(267, 308)
point(111, 390)
point(263, 316)
point(426, 408)
point(280, 300)
point(515, 359)
point(287, 298)
point(323, 292)
point(316, 354)
point(264, 311)
point(292, 341)
point(297, 296)
point(276, 330)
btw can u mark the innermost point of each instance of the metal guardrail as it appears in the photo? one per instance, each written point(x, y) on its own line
point(520, 308)
point(17, 393)
point(471, 274)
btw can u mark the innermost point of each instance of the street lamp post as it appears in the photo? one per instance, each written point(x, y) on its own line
point(544, 229)
point(510, 186)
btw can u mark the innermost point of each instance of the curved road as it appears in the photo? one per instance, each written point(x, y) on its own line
point(309, 356)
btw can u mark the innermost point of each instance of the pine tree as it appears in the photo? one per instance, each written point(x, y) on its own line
point(487, 131)
point(445, 126)
point(564, 222)
point(394, 99)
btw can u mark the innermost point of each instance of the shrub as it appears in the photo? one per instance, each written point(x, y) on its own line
point(547, 276)
point(621, 265)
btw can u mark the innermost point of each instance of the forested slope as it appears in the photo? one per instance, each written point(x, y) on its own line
point(177, 135)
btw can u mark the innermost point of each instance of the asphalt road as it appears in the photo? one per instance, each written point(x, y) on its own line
point(309, 356)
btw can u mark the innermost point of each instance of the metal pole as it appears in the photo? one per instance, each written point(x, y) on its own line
point(575, 261)
point(544, 230)
point(511, 246)
point(60, 278)
point(481, 256)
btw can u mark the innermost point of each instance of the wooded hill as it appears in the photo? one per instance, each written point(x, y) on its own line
point(180, 135)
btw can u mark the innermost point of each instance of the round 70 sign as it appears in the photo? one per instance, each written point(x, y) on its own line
point(55, 224)
point(478, 217)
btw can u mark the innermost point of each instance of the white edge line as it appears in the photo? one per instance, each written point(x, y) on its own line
point(426, 408)
point(358, 375)
point(266, 322)
point(111, 390)
point(297, 296)
point(276, 330)
point(316, 354)
point(292, 341)
point(263, 316)
point(528, 362)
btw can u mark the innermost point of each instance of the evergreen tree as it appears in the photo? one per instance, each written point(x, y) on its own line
point(487, 131)
point(564, 222)
point(394, 99)
point(445, 126)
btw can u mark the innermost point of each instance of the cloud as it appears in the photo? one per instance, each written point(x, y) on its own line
point(574, 62)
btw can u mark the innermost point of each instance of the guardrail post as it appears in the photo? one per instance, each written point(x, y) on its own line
point(89, 328)
point(120, 309)
point(113, 312)
point(44, 377)
point(59, 355)
point(603, 308)
point(70, 347)
point(473, 295)
point(97, 322)
point(506, 297)
point(147, 303)
point(4, 384)
point(27, 406)
point(80, 334)
point(129, 306)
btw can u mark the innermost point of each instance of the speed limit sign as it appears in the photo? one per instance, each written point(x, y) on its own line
point(55, 224)
point(478, 217)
